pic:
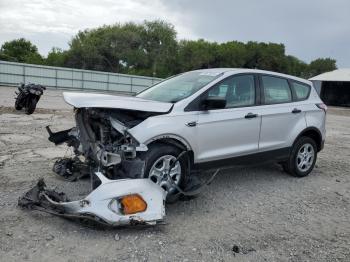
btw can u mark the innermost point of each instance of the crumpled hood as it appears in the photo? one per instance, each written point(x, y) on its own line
point(80, 100)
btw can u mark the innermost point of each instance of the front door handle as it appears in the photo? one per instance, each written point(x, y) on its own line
point(191, 124)
point(296, 111)
point(250, 115)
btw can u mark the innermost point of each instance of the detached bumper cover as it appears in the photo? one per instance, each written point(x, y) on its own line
point(103, 204)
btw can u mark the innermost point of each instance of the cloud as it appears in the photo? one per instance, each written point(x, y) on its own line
point(47, 22)
point(309, 29)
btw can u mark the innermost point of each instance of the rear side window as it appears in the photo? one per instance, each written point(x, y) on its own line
point(276, 90)
point(301, 91)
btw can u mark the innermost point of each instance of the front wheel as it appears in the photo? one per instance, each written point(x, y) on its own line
point(158, 160)
point(31, 105)
point(302, 158)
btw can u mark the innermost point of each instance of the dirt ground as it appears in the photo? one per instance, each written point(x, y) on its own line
point(267, 214)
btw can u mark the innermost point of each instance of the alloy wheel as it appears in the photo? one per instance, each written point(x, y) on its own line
point(160, 169)
point(305, 157)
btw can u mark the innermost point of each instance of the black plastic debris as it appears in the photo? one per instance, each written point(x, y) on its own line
point(71, 169)
point(235, 249)
point(37, 198)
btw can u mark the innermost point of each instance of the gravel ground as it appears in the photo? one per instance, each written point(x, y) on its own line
point(262, 212)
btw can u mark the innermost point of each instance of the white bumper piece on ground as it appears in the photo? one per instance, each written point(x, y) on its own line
point(104, 204)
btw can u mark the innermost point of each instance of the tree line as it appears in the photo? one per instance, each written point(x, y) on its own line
point(152, 49)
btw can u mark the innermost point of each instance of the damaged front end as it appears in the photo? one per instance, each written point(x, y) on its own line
point(113, 202)
point(105, 151)
point(102, 140)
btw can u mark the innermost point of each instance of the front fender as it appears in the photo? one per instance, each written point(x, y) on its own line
point(165, 127)
point(171, 136)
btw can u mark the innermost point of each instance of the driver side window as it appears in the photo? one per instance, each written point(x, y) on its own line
point(239, 91)
point(219, 90)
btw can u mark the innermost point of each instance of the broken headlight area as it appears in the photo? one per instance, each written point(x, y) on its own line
point(101, 141)
point(113, 202)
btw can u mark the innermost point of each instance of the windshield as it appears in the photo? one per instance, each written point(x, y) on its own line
point(179, 87)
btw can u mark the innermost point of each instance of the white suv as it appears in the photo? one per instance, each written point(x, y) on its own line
point(219, 116)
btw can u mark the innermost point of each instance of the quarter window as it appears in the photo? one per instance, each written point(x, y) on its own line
point(276, 90)
point(239, 91)
point(301, 90)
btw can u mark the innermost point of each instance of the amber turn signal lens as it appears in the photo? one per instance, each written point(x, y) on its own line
point(132, 204)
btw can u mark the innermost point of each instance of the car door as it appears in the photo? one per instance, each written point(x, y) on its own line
point(282, 119)
point(234, 130)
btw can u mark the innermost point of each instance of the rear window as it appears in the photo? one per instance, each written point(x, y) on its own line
point(276, 90)
point(301, 91)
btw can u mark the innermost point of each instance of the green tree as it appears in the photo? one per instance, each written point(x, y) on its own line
point(232, 54)
point(296, 67)
point(160, 46)
point(266, 56)
point(20, 50)
point(56, 57)
point(197, 54)
point(321, 65)
point(148, 49)
point(83, 52)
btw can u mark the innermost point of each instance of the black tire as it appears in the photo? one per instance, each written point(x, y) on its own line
point(31, 106)
point(18, 102)
point(158, 150)
point(291, 165)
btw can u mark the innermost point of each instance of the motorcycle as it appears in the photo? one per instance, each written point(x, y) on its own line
point(28, 97)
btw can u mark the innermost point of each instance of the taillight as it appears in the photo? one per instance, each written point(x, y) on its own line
point(322, 106)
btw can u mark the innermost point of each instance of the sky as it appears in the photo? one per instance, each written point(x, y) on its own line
point(309, 28)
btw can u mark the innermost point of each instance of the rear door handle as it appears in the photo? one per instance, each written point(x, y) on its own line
point(251, 115)
point(296, 111)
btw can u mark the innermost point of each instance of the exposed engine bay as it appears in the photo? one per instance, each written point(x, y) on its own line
point(102, 139)
point(107, 153)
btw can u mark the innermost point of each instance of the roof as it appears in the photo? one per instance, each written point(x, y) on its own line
point(247, 70)
point(340, 75)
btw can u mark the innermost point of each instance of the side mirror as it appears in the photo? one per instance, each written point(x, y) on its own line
point(214, 102)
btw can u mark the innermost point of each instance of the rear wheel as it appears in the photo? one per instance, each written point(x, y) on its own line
point(158, 160)
point(19, 102)
point(302, 158)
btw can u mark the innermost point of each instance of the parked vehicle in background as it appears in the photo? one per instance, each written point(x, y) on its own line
point(219, 116)
point(28, 97)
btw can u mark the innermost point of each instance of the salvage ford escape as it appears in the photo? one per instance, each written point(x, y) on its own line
point(218, 116)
